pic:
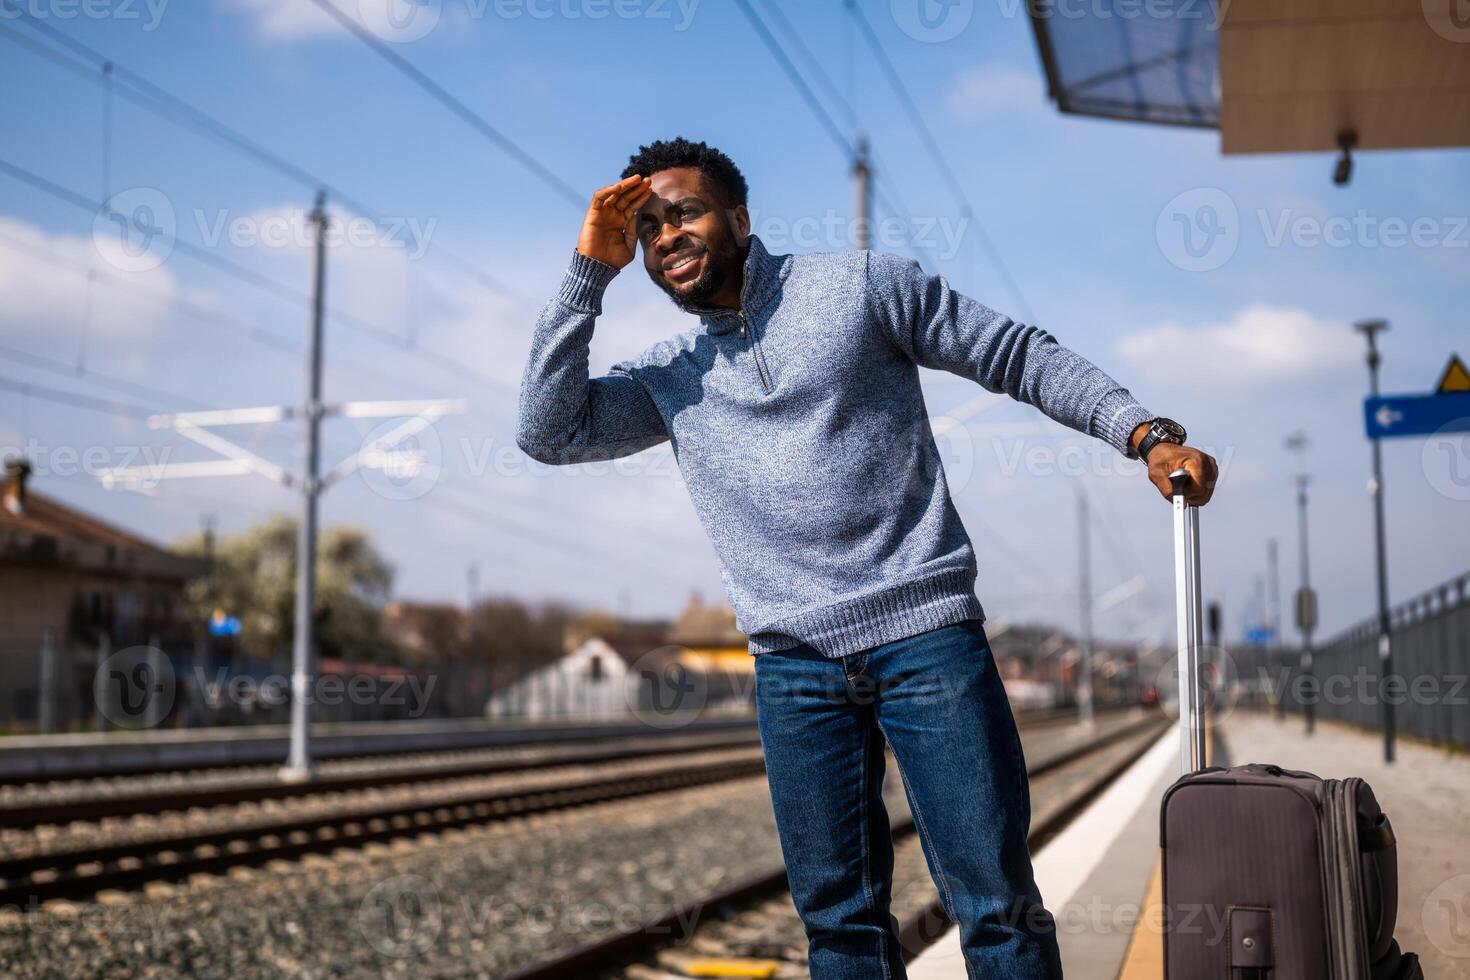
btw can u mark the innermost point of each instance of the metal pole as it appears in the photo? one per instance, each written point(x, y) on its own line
point(303, 667)
point(46, 720)
point(1370, 329)
point(862, 176)
point(152, 716)
point(1084, 604)
point(1272, 604)
point(1273, 592)
point(1309, 704)
point(1185, 575)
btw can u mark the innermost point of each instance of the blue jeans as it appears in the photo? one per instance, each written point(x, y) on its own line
point(937, 700)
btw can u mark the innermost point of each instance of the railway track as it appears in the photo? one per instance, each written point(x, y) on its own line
point(29, 880)
point(630, 949)
point(394, 772)
point(81, 873)
point(414, 743)
point(70, 801)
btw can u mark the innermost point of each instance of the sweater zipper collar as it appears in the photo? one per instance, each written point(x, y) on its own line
point(723, 316)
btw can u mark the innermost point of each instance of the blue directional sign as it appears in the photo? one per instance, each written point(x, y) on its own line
point(1416, 415)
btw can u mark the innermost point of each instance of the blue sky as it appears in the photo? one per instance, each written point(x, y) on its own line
point(1255, 346)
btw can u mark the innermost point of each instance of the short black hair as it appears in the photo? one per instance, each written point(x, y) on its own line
point(717, 168)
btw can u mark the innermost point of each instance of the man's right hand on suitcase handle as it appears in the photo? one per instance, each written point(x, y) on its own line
point(1166, 457)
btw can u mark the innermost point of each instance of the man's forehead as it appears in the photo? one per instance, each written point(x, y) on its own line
point(670, 186)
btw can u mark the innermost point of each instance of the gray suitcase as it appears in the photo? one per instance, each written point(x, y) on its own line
point(1269, 873)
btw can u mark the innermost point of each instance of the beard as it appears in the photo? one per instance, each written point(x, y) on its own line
point(723, 260)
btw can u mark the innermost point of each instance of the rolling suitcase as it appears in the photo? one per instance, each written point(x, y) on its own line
point(1269, 874)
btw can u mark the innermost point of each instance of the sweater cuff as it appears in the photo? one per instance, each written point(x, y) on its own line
point(1115, 417)
point(584, 282)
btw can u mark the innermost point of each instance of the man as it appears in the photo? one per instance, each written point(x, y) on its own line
point(795, 413)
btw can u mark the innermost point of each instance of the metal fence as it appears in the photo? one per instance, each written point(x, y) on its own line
point(50, 685)
point(1429, 686)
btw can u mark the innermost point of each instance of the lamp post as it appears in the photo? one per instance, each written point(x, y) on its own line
point(1370, 330)
point(1306, 599)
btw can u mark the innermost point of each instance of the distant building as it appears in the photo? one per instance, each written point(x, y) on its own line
point(427, 631)
point(709, 639)
point(76, 586)
point(592, 681)
point(638, 668)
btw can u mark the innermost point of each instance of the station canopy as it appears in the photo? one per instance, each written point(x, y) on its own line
point(1272, 75)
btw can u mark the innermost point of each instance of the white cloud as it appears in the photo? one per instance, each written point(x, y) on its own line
point(45, 293)
point(285, 19)
point(979, 92)
point(1260, 347)
point(395, 21)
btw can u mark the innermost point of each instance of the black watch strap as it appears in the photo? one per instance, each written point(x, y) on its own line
point(1160, 430)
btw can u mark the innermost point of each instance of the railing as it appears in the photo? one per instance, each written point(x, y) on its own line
point(1429, 686)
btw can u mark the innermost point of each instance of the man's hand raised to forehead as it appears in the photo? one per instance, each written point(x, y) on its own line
point(607, 231)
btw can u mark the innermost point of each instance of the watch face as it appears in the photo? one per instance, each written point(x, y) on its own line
point(1170, 427)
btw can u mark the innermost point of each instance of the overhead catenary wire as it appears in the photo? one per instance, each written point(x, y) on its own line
point(127, 410)
point(266, 284)
point(455, 105)
point(829, 125)
point(911, 107)
point(157, 100)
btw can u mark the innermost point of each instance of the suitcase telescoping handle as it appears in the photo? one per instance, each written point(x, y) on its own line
point(1191, 630)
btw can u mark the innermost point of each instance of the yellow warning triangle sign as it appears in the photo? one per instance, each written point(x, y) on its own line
point(1455, 377)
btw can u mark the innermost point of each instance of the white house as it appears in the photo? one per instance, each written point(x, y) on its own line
point(591, 681)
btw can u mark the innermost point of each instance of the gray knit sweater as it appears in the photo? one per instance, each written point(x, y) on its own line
point(800, 429)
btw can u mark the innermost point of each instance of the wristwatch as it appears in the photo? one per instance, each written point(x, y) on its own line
point(1159, 430)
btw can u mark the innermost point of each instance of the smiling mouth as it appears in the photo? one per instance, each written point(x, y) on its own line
point(683, 265)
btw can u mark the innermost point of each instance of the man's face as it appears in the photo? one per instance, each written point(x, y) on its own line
point(692, 246)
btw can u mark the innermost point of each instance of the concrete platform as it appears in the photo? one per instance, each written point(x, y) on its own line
point(1100, 876)
point(1093, 875)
